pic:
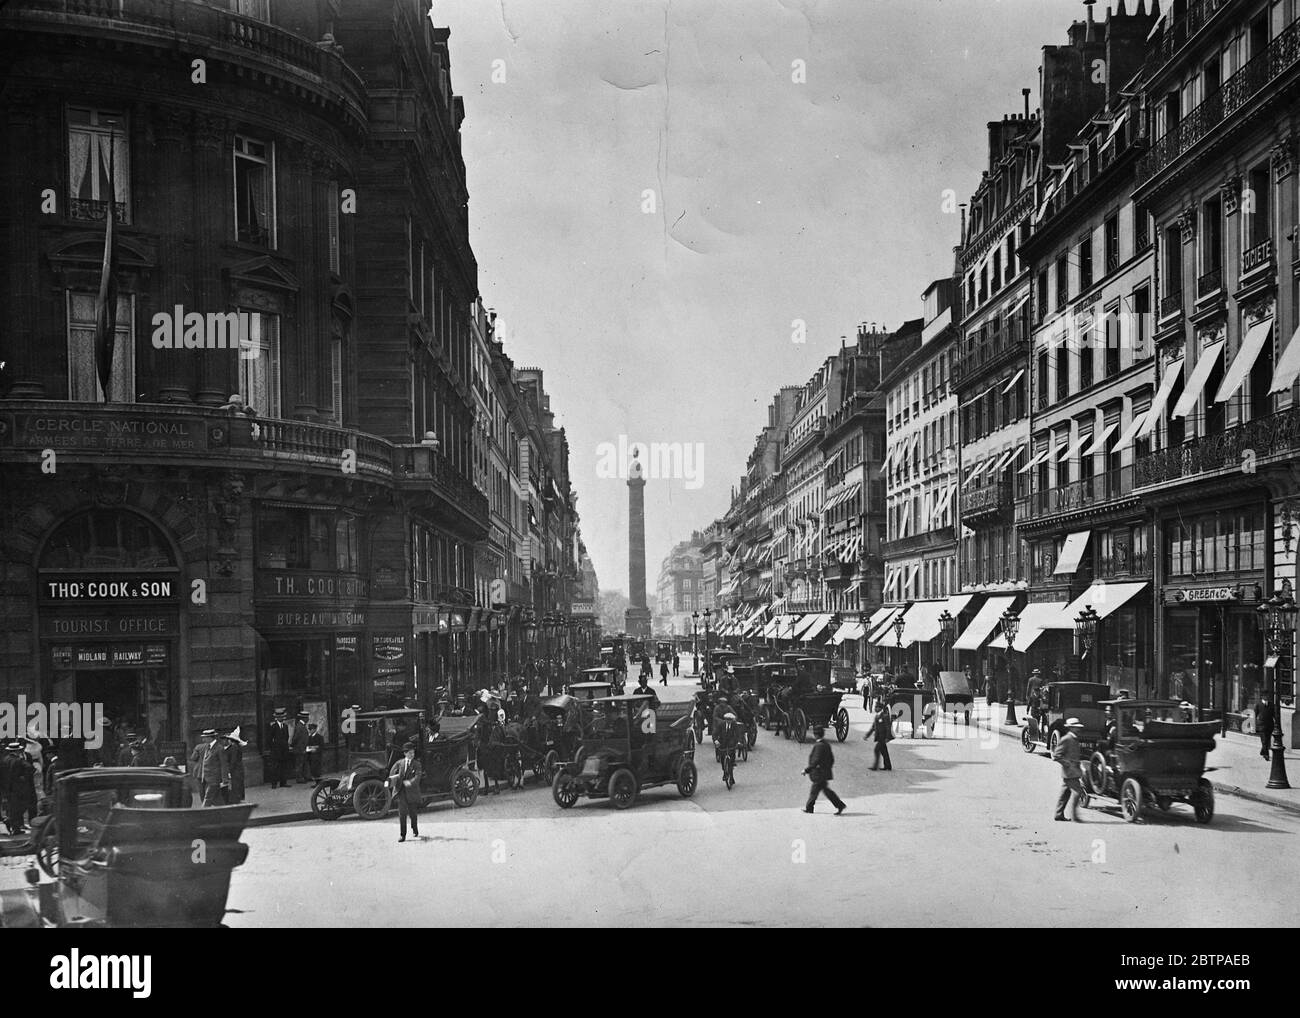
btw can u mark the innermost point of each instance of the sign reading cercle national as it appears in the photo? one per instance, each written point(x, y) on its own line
point(90, 430)
point(320, 585)
point(1189, 594)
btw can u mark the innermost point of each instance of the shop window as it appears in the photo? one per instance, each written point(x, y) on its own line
point(106, 539)
point(83, 373)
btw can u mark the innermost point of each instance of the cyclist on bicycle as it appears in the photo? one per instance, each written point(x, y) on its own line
point(724, 723)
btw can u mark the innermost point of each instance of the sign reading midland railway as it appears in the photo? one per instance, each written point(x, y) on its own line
point(100, 431)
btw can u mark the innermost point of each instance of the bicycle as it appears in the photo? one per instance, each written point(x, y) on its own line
point(724, 752)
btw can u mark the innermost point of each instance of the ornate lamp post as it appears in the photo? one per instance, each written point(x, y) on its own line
point(1277, 619)
point(1010, 626)
point(1085, 631)
point(947, 633)
point(899, 625)
point(833, 627)
point(708, 658)
point(695, 648)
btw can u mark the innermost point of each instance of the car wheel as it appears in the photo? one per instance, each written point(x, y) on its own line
point(1204, 804)
point(622, 788)
point(799, 722)
point(687, 778)
point(371, 800)
point(1094, 775)
point(1130, 799)
point(1052, 740)
point(1027, 742)
point(841, 724)
point(464, 786)
point(324, 800)
point(564, 790)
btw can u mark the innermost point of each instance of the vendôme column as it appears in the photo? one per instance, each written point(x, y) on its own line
point(636, 619)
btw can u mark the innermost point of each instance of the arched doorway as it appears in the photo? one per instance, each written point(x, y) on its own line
point(109, 595)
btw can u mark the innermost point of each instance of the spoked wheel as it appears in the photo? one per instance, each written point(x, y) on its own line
point(622, 788)
point(1204, 801)
point(324, 800)
point(464, 786)
point(1027, 742)
point(550, 765)
point(799, 721)
point(687, 777)
point(564, 790)
point(841, 724)
point(751, 734)
point(1094, 775)
point(1130, 799)
point(1052, 740)
point(371, 800)
point(742, 748)
point(728, 771)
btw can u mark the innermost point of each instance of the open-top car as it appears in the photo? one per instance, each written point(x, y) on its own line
point(447, 751)
point(119, 843)
point(1060, 701)
point(626, 750)
point(1153, 754)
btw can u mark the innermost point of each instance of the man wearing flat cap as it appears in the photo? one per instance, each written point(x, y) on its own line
point(211, 768)
point(404, 780)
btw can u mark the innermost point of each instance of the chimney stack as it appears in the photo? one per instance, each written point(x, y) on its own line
point(1025, 92)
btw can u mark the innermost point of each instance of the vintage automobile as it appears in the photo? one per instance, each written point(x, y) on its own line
point(623, 754)
point(1153, 754)
point(448, 753)
point(1061, 701)
point(664, 651)
point(952, 690)
point(592, 687)
point(119, 843)
point(807, 700)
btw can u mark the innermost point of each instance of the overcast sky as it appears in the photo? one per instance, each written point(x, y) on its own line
point(773, 200)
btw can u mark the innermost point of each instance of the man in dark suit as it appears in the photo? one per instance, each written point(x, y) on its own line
point(277, 749)
point(1264, 720)
point(404, 780)
point(212, 768)
point(820, 771)
point(882, 729)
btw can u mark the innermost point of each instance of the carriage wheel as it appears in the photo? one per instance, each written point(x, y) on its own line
point(324, 800)
point(1027, 742)
point(1130, 799)
point(1203, 804)
point(841, 724)
point(371, 800)
point(799, 722)
point(687, 778)
point(564, 790)
point(539, 766)
point(464, 786)
point(550, 765)
point(622, 788)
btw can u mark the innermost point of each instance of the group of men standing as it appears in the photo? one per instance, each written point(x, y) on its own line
point(293, 749)
point(217, 764)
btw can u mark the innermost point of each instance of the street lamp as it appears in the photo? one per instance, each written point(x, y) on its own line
point(1011, 626)
point(708, 658)
point(695, 647)
point(947, 633)
point(1277, 619)
point(1085, 630)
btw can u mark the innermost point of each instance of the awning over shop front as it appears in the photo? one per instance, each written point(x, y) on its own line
point(848, 631)
point(877, 617)
point(1197, 379)
point(957, 604)
point(1247, 354)
point(769, 630)
point(785, 624)
point(921, 623)
point(1105, 599)
point(1033, 620)
point(985, 621)
point(885, 629)
point(1072, 553)
point(1167, 382)
point(814, 629)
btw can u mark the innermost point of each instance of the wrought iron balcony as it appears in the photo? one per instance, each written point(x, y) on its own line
point(1210, 282)
point(1280, 56)
point(1172, 303)
point(985, 349)
point(1177, 32)
point(1275, 436)
point(980, 503)
point(92, 211)
point(1258, 256)
point(1085, 493)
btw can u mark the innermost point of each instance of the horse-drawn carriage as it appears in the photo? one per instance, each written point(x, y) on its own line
point(1153, 754)
point(550, 736)
point(447, 750)
point(628, 748)
point(810, 700)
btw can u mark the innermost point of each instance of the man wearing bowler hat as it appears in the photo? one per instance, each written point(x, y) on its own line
point(404, 780)
point(277, 749)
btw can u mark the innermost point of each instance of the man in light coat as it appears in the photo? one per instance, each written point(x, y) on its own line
point(1066, 754)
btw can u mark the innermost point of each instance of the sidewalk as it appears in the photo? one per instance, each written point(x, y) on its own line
point(1234, 767)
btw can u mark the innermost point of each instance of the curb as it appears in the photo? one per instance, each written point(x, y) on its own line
point(1220, 787)
point(279, 818)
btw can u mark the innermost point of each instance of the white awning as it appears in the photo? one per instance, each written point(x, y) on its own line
point(979, 463)
point(1036, 460)
point(1099, 443)
point(1288, 366)
point(956, 604)
point(1131, 431)
point(1073, 451)
point(1033, 620)
point(1072, 553)
point(1014, 378)
point(1245, 359)
point(1197, 379)
point(769, 630)
point(985, 621)
point(885, 630)
point(996, 463)
point(1167, 382)
point(878, 617)
point(1019, 304)
point(911, 578)
point(848, 631)
point(1105, 598)
point(1115, 125)
point(819, 623)
point(937, 507)
point(921, 623)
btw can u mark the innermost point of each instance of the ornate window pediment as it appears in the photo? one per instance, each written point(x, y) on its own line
point(262, 272)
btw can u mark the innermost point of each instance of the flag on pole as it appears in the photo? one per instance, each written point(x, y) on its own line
point(106, 303)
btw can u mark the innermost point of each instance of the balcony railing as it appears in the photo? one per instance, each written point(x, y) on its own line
point(1084, 493)
point(92, 211)
point(1171, 303)
point(1210, 282)
point(1176, 33)
point(980, 502)
point(1275, 435)
point(1258, 256)
point(1235, 93)
point(988, 348)
point(1142, 241)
